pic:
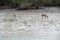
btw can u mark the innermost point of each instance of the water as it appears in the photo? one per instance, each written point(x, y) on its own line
point(29, 25)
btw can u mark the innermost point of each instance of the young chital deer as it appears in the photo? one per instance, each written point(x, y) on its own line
point(14, 14)
point(44, 15)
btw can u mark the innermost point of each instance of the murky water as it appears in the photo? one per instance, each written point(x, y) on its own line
point(29, 25)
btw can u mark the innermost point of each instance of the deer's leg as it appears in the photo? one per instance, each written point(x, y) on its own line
point(42, 16)
point(47, 16)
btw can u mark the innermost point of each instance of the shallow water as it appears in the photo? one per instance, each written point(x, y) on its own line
point(29, 25)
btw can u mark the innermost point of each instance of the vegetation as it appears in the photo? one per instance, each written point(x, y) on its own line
point(40, 2)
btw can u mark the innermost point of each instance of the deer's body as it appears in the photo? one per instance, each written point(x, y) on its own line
point(44, 15)
point(14, 14)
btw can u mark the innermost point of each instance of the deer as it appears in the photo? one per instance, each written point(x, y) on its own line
point(44, 15)
point(14, 14)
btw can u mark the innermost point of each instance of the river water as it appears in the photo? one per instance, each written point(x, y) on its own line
point(29, 25)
